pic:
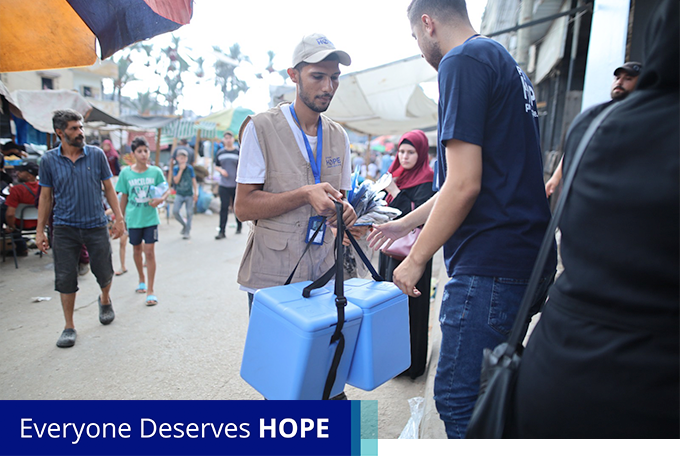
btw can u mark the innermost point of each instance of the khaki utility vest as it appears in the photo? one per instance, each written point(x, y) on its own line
point(275, 245)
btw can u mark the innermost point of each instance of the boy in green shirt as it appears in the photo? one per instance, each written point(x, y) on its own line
point(137, 184)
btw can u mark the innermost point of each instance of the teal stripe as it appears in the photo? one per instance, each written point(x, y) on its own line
point(364, 428)
point(356, 428)
point(369, 447)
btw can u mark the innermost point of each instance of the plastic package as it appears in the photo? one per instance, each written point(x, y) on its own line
point(412, 428)
point(368, 201)
point(157, 191)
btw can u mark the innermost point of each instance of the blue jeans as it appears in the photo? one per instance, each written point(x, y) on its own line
point(477, 312)
point(179, 201)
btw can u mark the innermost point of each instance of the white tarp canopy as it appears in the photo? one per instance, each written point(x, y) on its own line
point(37, 105)
point(385, 100)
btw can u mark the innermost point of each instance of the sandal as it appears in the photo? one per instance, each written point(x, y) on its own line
point(141, 288)
point(121, 272)
point(151, 300)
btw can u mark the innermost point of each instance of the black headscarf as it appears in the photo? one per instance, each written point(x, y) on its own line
point(661, 68)
point(620, 240)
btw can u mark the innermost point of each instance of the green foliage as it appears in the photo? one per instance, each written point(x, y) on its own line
point(225, 72)
point(146, 103)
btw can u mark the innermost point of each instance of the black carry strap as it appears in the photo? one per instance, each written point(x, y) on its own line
point(309, 244)
point(377, 277)
point(340, 301)
point(324, 279)
point(518, 332)
point(29, 190)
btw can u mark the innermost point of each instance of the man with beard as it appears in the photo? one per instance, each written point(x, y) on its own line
point(625, 79)
point(294, 163)
point(71, 177)
point(490, 213)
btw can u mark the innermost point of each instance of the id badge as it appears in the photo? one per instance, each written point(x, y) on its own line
point(314, 224)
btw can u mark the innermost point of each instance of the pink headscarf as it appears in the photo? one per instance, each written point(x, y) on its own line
point(421, 172)
point(112, 152)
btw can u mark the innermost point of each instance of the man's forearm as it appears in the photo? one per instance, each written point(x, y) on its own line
point(420, 215)
point(447, 214)
point(258, 204)
point(457, 196)
point(44, 208)
point(112, 199)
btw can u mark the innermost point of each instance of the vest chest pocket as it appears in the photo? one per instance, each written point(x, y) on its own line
point(271, 255)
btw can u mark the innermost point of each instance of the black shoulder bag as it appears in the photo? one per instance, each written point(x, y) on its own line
point(500, 365)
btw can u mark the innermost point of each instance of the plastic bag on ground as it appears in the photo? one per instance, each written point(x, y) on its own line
point(412, 428)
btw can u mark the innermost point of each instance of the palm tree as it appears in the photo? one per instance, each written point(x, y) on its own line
point(176, 68)
point(146, 103)
point(225, 76)
point(124, 75)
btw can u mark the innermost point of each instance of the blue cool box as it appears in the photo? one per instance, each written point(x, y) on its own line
point(287, 354)
point(383, 348)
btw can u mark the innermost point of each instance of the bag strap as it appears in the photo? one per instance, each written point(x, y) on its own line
point(29, 189)
point(340, 301)
point(376, 276)
point(518, 331)
point(309, 244)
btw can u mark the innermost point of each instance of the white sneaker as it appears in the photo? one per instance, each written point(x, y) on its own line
point(83, 268)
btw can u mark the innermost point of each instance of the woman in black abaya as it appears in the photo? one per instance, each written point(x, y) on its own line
point(604, 360)
point(411, 187)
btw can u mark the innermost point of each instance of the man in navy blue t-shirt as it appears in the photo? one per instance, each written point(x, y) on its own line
point(490, 213)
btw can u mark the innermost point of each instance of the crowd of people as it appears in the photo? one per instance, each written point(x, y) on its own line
point(603, 360)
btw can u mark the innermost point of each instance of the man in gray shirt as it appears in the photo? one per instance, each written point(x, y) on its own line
point(226, 163)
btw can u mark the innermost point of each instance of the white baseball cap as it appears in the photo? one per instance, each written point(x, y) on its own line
point(316, 47)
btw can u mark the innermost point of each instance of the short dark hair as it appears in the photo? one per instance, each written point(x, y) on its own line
point(443, 9)
point(137, 142)
point(12, 145)
point(62, 117)
point(228, 133)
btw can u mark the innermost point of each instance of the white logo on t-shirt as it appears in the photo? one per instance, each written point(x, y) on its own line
point(529, 95)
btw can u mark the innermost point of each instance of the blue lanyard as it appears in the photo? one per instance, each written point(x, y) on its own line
point(315, 164)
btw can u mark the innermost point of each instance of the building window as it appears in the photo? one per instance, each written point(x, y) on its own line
point(47, 83)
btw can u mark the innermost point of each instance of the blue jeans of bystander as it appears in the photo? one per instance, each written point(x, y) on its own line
point(188, 201)
point(477, 312)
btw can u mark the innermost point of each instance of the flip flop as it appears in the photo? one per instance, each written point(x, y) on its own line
point(120, 273)
point(141, 288)
point(151, 300)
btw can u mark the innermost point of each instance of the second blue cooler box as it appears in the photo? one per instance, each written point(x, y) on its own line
point(287, 354)
point(383, 349)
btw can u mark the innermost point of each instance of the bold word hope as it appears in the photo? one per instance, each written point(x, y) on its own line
point(288, 428)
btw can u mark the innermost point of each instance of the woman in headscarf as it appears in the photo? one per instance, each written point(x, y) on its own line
point(604, 360)
point(111, 156)
point(411, 187)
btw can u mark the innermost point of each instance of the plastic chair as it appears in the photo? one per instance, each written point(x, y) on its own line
point(24, 213)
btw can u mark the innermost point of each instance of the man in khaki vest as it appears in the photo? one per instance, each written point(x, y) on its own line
point(294, 163)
